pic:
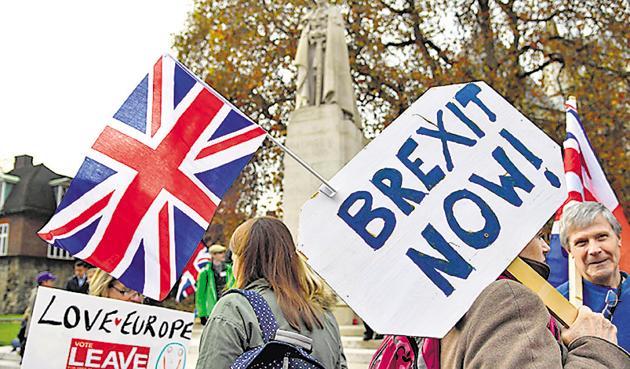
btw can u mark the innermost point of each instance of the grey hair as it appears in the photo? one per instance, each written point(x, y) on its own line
point(583, 214)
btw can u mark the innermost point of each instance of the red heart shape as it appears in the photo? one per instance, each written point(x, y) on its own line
point(117, 321)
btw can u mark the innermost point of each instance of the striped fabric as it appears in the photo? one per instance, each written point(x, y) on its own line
point(150, 184)
point(586, 181)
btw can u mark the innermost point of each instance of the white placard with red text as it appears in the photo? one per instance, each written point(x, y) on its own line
point(75, 331)
point(433, 209)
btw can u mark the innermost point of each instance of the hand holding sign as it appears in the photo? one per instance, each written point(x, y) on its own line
point(433, 209)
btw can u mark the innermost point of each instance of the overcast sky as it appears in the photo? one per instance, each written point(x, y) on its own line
point(67, 65)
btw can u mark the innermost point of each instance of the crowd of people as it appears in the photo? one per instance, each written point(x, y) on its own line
point(508, 326)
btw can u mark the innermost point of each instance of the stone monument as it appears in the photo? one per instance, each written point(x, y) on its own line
point(325, 128)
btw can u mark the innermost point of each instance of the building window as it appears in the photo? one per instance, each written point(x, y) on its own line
point(6, 185)
point(4, 238)
point(59, 192)
point(59, 185)
point(58, 253)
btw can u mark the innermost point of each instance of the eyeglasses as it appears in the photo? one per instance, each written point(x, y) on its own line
point(126, 292)
point(611, 302)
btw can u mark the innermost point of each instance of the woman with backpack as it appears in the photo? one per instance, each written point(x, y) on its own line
point(279, 296)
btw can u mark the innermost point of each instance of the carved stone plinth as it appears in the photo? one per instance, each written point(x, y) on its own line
point(322, 137)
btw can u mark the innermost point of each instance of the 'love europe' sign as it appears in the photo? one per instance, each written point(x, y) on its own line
point(75, 331)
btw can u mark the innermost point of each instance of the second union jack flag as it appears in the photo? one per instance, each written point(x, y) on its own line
point(191, 272)
point(586, 181)
point(150, 184)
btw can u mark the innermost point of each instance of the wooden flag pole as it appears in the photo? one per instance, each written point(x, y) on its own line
point(559, 307)
point(575, 284)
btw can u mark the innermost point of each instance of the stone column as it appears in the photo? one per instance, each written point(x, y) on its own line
point(324, 138)
point(325, 128)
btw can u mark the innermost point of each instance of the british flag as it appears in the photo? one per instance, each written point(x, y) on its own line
point(153, 179)
point(586, 181)
point(187, 283)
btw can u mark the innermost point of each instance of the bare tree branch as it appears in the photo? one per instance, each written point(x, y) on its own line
point(554, 58)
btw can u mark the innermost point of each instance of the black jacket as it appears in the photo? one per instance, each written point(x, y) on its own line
point(73, 286)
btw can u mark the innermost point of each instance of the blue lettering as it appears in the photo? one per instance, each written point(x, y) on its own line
point(479, 239)
point(454, 264)
point(459, 114)
point(430, 179)
point(395, 191)
point(533, 159)
point(445, 137)
point(469, 93)
point(522, 149)
point(514, 179)
point(364, 216)
point(552, 178)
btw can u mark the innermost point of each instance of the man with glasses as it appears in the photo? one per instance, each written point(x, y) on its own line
point(592, 234)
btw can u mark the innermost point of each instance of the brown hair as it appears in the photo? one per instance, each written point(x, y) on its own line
point(264, 248)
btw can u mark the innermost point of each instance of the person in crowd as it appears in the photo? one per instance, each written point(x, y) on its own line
point(104, 285)
point(79, 281)
point(592, 234)
point(44, 279)
point(508, 326)
point(211, 282)
point(266, 261)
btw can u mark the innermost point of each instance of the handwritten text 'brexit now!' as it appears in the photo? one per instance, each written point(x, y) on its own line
point(388, 181)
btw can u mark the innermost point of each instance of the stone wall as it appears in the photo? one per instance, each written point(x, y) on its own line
point(17, 279)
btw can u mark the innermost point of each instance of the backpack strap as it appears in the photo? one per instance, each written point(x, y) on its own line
point(266, 319)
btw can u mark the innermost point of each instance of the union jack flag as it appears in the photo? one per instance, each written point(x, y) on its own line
point(586, 181)
point(153, 179)
point(187, 283)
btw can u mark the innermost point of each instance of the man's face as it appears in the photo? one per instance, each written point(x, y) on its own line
point(596, 250)
point(79, 271)
point(536, 249)
point(48, 283)
point(218, 257)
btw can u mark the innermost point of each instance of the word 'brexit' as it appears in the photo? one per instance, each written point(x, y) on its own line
point(359, 213)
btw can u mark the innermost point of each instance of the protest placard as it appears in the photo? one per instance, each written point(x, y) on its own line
point(433, 209)
point(75, 331)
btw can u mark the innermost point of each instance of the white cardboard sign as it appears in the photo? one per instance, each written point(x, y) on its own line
point(75, 331)
point(433, 209)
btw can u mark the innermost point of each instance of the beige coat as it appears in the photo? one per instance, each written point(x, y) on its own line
point(507, 327)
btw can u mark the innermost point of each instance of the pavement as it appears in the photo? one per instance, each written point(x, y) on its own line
point(9, 359)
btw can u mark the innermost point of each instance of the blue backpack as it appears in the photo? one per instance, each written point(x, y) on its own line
point(281, 349)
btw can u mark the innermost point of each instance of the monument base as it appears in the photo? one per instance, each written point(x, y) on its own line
point(324, 139)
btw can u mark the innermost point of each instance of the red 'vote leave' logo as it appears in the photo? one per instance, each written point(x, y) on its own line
point(85, 354)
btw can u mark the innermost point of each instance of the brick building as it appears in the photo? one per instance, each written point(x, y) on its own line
point(29, 195)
